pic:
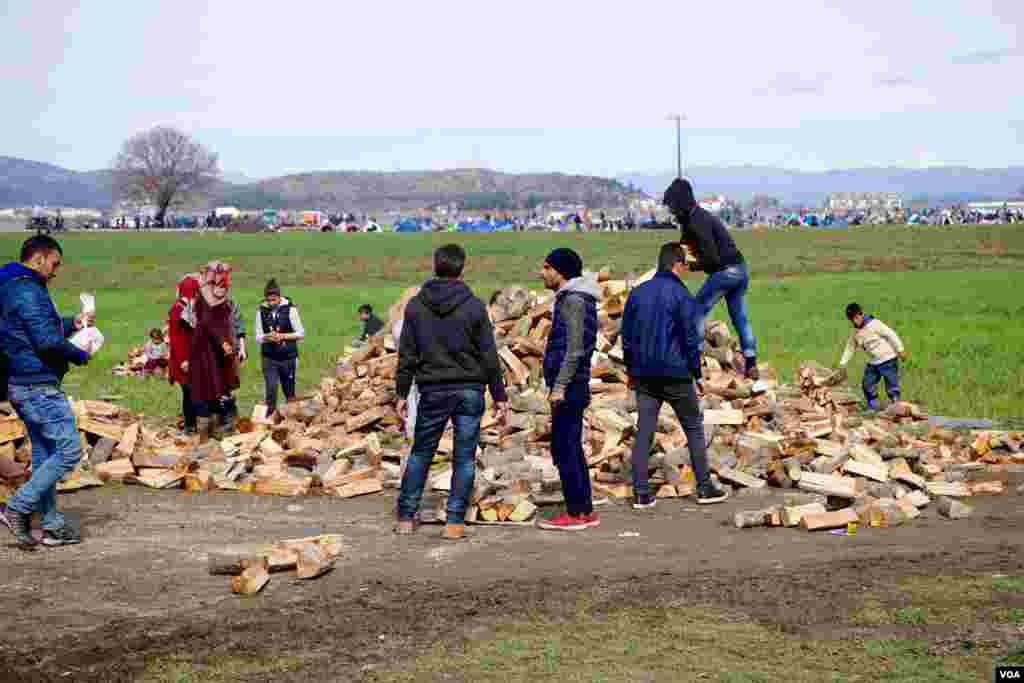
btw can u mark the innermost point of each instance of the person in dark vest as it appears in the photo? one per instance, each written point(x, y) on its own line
point(278, 332)
point(717, 255)
point(567, 357)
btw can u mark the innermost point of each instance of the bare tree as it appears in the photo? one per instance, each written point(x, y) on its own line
point(164, 166)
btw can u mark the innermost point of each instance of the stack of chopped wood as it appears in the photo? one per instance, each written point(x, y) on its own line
point(345, 439)
point(251, 566)
point(135, 364)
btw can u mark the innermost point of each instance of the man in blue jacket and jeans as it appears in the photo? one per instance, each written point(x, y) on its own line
point(34, 338)
point(659, 342)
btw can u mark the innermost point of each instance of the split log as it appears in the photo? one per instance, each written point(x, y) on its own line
point(126, 448)
point(367, 418)
point(740, 478)
point(520, 373)
point(250, 581)
point(829, 520)
point(105, 429)
point(941, 488)
point(102, 451)
point(358, 488)
point(11, 428)
point(861, 453)
point(863, 469)
point(312, 561)
point(235, 560)
point(281, 486)
point(987, 488)
point(791, 516)
point(830, 449)
point(953, 509)
point(754, 518)
point(724, 417)
point(917, 498)
point(115, 470)
point(839, 487)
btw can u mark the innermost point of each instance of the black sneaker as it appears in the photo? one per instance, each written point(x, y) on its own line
point(20, 525)
point(706, 495)
point(644, 502)
point(62, 536)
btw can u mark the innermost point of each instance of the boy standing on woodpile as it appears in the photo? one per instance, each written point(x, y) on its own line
point(659, 342)
point(278, 332)
point(446, 346)
point(35, 341)
point(717, 256)
point(570, 348)
point(884, 347)
point(371, 325)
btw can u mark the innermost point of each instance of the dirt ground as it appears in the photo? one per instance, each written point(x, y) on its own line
point(137, 589)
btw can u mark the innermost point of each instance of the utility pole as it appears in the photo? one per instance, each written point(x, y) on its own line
point(679, 118)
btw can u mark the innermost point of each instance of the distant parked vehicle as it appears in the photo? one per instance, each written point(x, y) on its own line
point(41, 224)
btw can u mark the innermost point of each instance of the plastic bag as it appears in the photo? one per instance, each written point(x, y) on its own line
point(88, 303)
point(89, 339)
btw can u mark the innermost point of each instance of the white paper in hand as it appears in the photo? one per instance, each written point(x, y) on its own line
point(88, 303)
point(89, 339)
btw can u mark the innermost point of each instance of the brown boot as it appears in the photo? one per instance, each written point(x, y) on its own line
point(217, 427)
point(203, 429)
point(454, 532)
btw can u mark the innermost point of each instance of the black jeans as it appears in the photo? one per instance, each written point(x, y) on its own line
point(465, 408)
point(187, 407)
point(567, 452)
point(682, 396)
point(278, 372)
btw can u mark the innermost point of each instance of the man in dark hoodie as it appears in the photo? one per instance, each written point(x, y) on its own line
point(34, 339)
point(447, 346)
point(717, 256)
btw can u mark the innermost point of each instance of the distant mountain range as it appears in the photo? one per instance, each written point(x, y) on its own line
point(937, 184)
point(30, 183)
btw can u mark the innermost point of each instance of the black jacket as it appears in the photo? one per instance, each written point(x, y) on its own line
point(371, 326)
point(448, 342)
point(706, 233)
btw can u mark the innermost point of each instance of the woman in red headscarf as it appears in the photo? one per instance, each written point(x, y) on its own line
point(180, 322)
point(213, 367)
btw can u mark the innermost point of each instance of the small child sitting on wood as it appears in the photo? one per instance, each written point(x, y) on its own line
point(885, 348)
point(156, 353)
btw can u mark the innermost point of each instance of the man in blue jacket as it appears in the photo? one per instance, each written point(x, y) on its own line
point(659, 342)
point(34, 339)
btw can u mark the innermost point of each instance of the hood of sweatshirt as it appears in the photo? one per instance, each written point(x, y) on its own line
point(867, 319)
point(284, 301)
point(444, 296)
point(15, 270)
point(679, 197)
point(586, 284)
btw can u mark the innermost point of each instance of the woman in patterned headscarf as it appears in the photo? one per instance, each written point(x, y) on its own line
point(180, 323)
point(213, 368)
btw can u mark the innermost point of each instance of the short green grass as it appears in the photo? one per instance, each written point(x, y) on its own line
point(946, 291)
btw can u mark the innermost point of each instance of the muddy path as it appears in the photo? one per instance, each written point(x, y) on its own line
point(137, 588)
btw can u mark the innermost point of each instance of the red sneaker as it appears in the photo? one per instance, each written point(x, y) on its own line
point(565, 522)
point(592, 520)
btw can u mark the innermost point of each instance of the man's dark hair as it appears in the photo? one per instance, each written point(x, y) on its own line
point(494, 297)
point(449, 261)
point(39, 244)
point(853, 310)
point(366, 308)
point(671, 254)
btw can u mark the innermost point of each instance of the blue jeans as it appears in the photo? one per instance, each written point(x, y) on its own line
point(465, 408)
point(732, 283)
point(873, 374)
point(56, 449)
point(567, 452)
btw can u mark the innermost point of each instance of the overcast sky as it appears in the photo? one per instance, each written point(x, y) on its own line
point(558, 85)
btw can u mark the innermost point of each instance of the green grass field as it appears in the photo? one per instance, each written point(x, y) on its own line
point(949, 292)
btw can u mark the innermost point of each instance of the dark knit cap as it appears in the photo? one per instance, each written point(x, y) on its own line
point(271, 288)
point(566, 261)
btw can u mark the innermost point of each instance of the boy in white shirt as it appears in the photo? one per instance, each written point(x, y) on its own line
point(884, 347)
